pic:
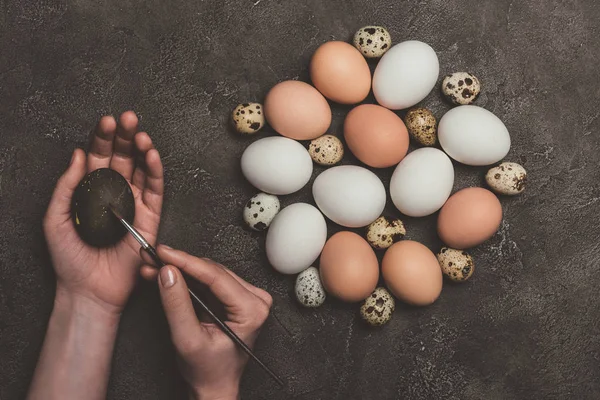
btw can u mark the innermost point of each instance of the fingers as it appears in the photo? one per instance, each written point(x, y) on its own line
point(101, 148)
point(123, 151)
point(143, 144)
point(226, 288)
point(60, 204)
point(185, 328)
point(153, 191)
point(148, 272)
point(148, 176)
point(260, 293)
point(116, 146)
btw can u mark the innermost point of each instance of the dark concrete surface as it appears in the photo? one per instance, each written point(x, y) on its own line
point(527, 326)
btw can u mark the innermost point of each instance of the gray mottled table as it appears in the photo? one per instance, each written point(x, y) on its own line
point(526, 327)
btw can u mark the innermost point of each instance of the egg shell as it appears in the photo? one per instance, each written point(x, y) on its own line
point(457, 265)
point(384, 232)
point(470, 217)
point(277, 165)
point(260, 210)
point(461, 88)
point(421, 126)
point(372, 41)
point(376, 135)
point(349, 195)
point(473, 136)
point(422, 182)
point(248, 118)
point(348, 267)
point(405, 75)
point(507, 178)
point(90, 207)
point(340, 72)
point(326, 150)
point(412, 273)
point(295, 238)
point(309, 290)
point(378, 308)
point(297, 110)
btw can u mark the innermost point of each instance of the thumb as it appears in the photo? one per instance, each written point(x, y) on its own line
point(185, 327)
point(60, 204)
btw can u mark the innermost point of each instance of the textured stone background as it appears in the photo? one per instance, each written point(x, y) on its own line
point(526, 327)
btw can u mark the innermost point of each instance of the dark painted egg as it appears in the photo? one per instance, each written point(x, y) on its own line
point(90, 210)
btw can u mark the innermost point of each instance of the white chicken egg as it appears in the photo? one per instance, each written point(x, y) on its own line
point(422, 182)
point(473, 136)
point(349, 195)
point(295, 238)
point(405, 75)
point(277, 165)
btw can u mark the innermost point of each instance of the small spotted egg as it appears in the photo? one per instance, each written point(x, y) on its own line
point(461, 88)
point(372, 41)
point(309, 290)
point(326, 150)
point(378, 307)
point(456, 264)
point(422, 126)
point(507, 178)
point(384, 232)
point(248, 118)
point(260, 211)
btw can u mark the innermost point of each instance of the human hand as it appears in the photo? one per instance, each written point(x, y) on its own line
point(105, 275)
point(209, 360)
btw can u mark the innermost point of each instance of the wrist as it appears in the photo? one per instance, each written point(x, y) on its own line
point(73, 300)
point(215, 394)
point(85, 309)
point(75, 358)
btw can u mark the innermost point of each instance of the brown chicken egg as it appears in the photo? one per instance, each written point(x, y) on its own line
point(470, 217)
point(349, 268)
point(297, 110)
point(340, 72)
point(376, 135)
point(412, 273)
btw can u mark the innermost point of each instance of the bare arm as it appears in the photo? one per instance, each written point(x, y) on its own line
point(93, 284)
point(76, 356)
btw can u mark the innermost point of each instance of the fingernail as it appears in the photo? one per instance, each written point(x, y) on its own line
point(167, 277)
point(166, 247)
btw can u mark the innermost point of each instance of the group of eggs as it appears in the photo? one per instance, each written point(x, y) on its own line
point(353, 196)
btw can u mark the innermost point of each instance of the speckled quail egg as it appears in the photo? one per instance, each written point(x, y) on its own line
point(372, 41)
point(309, 290)
point(248, 118)
point(461, 88)
point(384, 231)
point(421, 125)
point(326, 150)
point(507, 178)
point(456, 264)
point(378, 307)
point(260, 210)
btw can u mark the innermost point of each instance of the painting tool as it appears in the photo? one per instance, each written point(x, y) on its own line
point(159, 263)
